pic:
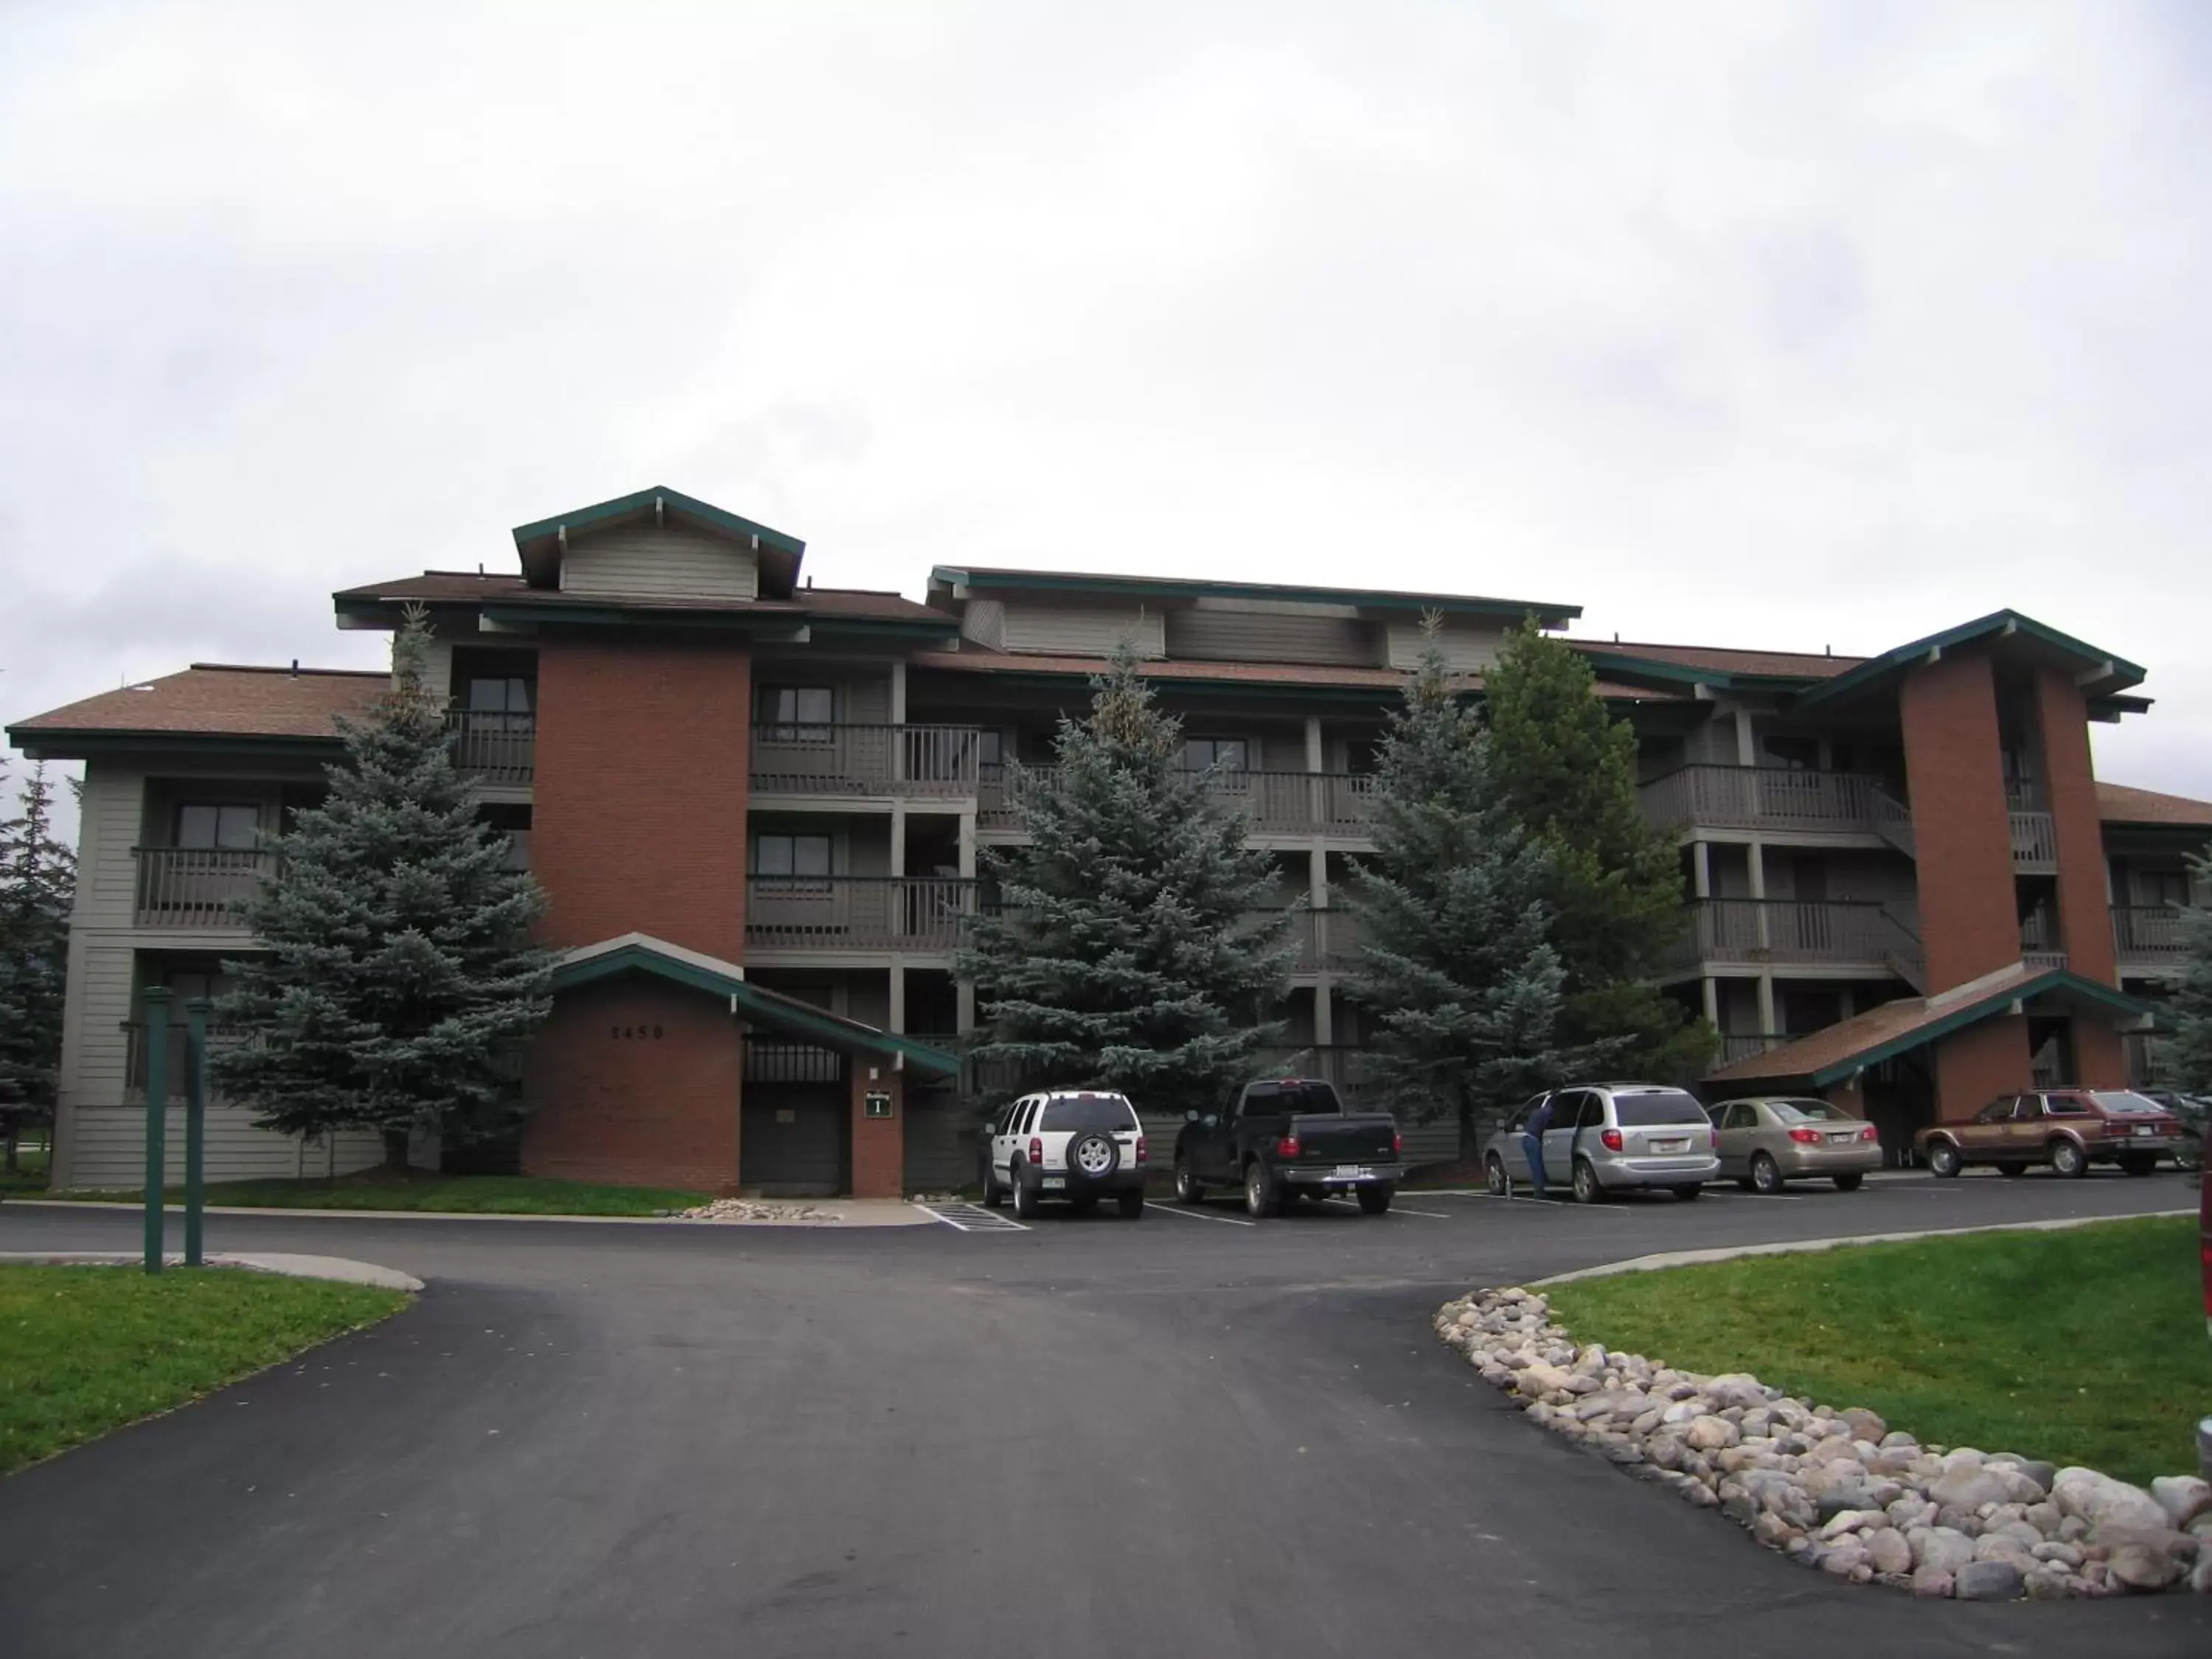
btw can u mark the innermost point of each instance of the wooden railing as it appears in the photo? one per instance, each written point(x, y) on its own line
point(198, 887)
point(798, 759)
point(1788, 930)
point(2147, 933)
point(1277, 803)
point(493, 748)
point(2034, 843)
point(1745, 1045)
point(1760, 798)
point(925, 914)
point(134, 1047)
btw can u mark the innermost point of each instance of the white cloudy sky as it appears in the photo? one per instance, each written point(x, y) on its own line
point(1743, 323)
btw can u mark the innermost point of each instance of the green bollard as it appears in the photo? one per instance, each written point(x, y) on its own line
point(157, 1116)
point(195, 1028)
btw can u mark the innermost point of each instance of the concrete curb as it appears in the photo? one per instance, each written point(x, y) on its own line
point(879, 1212)
point(1644, 1264)
point(335, 1268)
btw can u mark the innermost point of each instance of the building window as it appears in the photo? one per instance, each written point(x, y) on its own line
point(232, 825)
point(799, 713)
point(792, 864)
point(1229, 754)
point(499, 694)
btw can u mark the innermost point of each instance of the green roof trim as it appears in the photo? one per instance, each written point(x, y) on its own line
point(2119, 674)
point(1066, 581)
point(762, 624)
point(624, 506)
point(1981, 1008)
point(761, 1007)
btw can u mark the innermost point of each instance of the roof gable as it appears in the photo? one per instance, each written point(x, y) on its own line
point(543, 542)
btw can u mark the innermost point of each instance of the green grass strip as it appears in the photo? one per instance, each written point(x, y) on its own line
point(464, 1195)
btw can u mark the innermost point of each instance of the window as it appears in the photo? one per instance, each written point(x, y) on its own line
point(1997, 1111)
point(1799, 754)
point(1654, 1107)
point(1274, 1099)
point(792, 863)
point(1230, 754)
point(2120, 1102)
point(1021, 1124)
point(799, 713)
point(233, 826)
point(1090, 1112)
point(500, 694)
point(2028, 1109)
point(1810, 1111)
point(990, 756)
point(1741, 1115)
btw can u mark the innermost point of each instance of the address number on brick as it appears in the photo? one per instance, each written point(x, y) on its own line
point(632, 1033)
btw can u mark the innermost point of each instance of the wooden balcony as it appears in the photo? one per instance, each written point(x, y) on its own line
point(197, 887)
point(1761, 798)
point(494, 748)
point(2147, 938)
point(1760, 933)
point(920, 915)
point(1329, 804)
point(2034, 844)
point(867, 760)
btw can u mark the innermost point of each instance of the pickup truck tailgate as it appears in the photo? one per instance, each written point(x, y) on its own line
point(1345, 1138)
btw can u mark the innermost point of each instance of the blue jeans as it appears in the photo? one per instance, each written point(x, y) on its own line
point(1534, 1146)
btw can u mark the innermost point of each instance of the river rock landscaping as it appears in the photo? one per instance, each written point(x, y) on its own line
point(1839, 1491)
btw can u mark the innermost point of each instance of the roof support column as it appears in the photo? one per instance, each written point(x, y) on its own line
point(1766, 1021)
point(1324, 1013)
point(897, 1018)
point(898, 835)
point(898, 720)
point(1747, 751)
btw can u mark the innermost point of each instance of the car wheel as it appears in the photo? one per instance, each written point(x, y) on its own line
point(1189, 1189)
point(1694, 1190)
point(1587, 1191)
point(1494, 1176)
point(1765, 1174)
point(1943, 1160)
point(1374, 1197)
point(1260, 1198)
point(1025, 1198)
point(1851, 1182)
point(993, 1193)
point(1094, 1156)
point(2069, 1159)
point(1133, 1206)
point(2139, 1166)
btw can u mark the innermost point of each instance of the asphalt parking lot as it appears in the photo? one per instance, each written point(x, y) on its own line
point(1181, 1435)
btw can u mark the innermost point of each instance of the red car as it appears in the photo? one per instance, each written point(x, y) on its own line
point(2067, 1129)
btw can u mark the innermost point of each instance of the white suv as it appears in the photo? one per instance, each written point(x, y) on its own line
point(1075, 1143)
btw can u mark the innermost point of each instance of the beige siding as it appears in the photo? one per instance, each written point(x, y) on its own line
point(109, 830)
point(1469, 647)
point(984, 621)
point(1272, 634)
point(667, 564)
point(110, 1148)
point(438, 670)
point(1082, 630)
point(105, 1006)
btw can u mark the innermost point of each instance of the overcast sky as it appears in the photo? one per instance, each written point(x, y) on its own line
point(1752, 324)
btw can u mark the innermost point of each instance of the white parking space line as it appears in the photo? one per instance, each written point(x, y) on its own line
point(1200, 1215)
point(973, 1218)
point(1396, 1209)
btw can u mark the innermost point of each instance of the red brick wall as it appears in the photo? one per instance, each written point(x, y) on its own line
point(639, 821)
point(1981, 1061)
point(878, 1143)
point(636, 1081)
point(2085, 916)
point(1962, 833)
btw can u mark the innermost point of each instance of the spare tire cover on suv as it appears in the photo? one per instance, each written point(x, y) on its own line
point(1093, 1154)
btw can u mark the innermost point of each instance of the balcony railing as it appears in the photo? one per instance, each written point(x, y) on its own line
point(1760, 931)
point(494, 748)
point(2147, 935)
point(134, 1047)
point(798, 759)
point(1277, 803)
point(925, 914)
point(198, 887)
point(1746, 1045)
point(1761, 798)
point(2034, 843)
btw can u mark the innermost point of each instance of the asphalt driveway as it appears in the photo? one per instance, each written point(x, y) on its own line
point(1182, 1436)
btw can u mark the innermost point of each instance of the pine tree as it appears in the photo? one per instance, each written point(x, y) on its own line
point(399, 976)
point(1123, 954)
point(38, 883)
point(1458, 980)
point(2190, 1050)
point(1568, 769)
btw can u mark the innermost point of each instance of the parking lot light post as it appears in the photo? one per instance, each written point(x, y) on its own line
point(195, 1028)
point(157, 1128)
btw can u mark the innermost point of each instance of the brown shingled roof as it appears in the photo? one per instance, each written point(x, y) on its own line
point(2119, 804)
point(212, 700)
point(973, 661)
point(466, 587)
point(1723, 660)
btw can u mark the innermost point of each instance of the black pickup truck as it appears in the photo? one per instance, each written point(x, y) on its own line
point(1288, 1136)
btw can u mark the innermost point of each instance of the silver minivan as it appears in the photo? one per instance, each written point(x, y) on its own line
point(1606, 1138)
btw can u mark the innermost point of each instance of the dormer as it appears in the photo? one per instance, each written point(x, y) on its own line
point(660, 546)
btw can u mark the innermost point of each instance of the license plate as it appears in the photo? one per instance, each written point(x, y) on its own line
point(1669, 1145)
point(1053, 1182)
point(1349, 1172)
point(2145, 1129)
point(1845, 1139)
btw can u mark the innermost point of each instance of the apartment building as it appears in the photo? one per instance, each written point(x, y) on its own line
point(757, 806)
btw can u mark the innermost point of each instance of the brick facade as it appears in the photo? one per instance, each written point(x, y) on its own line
point(636, 1080)
point(1974, 1066)
point(641, 786)
point(1961, 828)
point(2084, 922)
point(878, 1143)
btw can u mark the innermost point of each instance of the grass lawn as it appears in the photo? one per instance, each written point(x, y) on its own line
point(30, 1173)
point(2085, 1346)
point(374, 1189)
point(84, 1349)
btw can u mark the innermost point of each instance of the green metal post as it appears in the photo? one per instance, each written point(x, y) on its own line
point(195, 1026)
point(157, 1116)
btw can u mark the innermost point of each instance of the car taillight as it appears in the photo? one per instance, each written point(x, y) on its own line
point(1868, 1133)
point(1806, 1136)
point(1397, 1144)
point(1713, 1140)
point(1140, 1149)
point(1288, 1147)
point(1610, 1139)
point(1036, 1150)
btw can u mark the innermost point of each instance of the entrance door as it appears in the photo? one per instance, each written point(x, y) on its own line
point(796, 1134)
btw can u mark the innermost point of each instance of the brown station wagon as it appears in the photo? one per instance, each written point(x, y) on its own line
point(2069, 1129)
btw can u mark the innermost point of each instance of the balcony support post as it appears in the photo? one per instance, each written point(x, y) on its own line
point(1747, 751)
point(898, 996)
point(1710, 989)
point(898, 720)
point(157, 1125)
point(1767, 1003)
point(1701, 869)
point(898, 837)
point(963, 1006)
point(1324, 1011)
point(967, 847)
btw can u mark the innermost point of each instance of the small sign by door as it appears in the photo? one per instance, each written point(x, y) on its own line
point(786, 1114)
point(876, 1105)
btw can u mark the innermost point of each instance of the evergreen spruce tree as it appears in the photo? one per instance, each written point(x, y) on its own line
point(1568, 770)
point(37, 883)
point(398, 975)
point(1122, 954)
point(1459, 983)
point(2190, 1049)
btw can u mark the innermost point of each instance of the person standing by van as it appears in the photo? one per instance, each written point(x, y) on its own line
point(1532, 1143)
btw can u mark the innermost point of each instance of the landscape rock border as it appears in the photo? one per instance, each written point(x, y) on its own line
point(1839, 1491)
